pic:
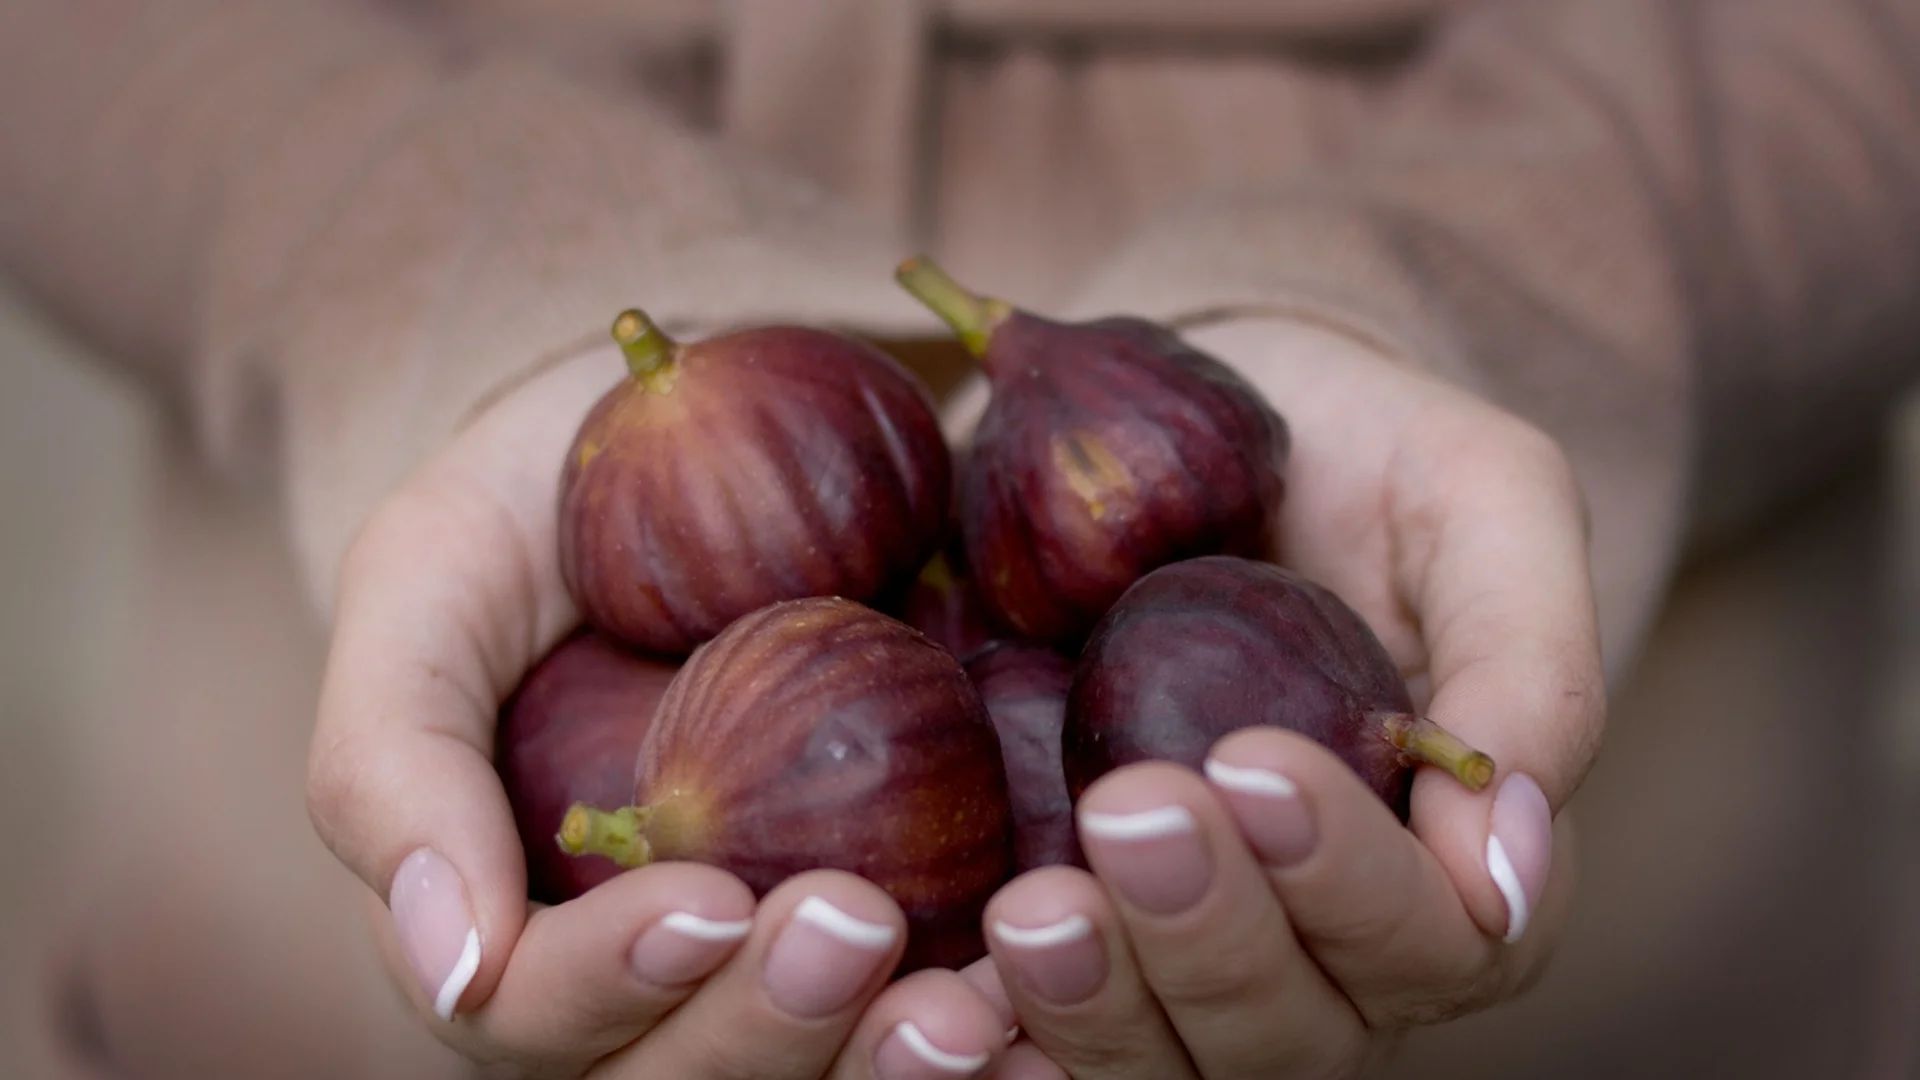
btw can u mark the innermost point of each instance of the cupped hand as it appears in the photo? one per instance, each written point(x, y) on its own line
point(449, 595)
point(1269, 916)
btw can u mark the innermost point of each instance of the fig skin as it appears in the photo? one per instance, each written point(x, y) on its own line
point(1108, 448)
point(1024, 686)
point(766, 464)
point(819, 733)
point(570, 734)
point(944, 604)
point(1208, 646)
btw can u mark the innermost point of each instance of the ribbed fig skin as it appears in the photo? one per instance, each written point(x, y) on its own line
point(1205, 647)
point(819, 733)
point(571, 733)
point(1108, 449)
point(1024, 686)
point(780, 462)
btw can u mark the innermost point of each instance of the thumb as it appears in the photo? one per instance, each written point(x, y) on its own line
point(449, 594)
point(1506, 600)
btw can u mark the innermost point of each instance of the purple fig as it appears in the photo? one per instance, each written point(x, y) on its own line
point(1108, 448)
point(762, 465)
point(1024, 686)
point(945, 605)
point(1201, 648)
point(819, 733)
point(570, 734)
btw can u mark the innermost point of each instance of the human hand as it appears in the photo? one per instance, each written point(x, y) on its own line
point(1273, 918)
point(449, 595)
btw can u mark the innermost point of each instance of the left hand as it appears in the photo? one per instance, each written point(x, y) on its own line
point(1273, 918)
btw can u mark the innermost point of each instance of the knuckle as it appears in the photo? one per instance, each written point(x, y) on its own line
point(1217, 977)
point(328, 789)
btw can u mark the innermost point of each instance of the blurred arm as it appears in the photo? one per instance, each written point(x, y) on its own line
point(325, 236)
point(1683, 236)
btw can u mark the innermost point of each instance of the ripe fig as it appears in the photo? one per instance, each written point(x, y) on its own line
point(570, 733)
point(1201, 648)
point(1024, 685)
point(820, 733)
point(1108, 448)
point(724, 475)
point(944, 604)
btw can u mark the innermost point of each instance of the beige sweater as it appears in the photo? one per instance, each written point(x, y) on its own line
point(1682, 235)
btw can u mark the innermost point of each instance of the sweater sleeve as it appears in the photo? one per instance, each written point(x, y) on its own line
point(1682, 236)
point(324, 237)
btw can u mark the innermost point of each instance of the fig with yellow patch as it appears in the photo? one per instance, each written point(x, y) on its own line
point(1108, 448)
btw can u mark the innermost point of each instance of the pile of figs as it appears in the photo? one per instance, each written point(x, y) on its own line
point(813, 636)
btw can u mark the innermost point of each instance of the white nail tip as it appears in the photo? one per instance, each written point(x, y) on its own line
point(1146, 825)
point(855, 932)
point(946, 1061)
point(1071, 928)
point(459, 978)
point(690, 925)
point(1250, 781)
point(1508, 882)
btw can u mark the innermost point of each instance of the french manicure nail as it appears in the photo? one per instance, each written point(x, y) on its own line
point(907, 1054)
point(1268, 807)
point(435, 927)
point(682, 947)
point(823, 959)
point(1062, 963)
point(1520, 848)
point(1153, 858)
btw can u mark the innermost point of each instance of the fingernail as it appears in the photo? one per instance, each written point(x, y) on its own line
point(1153, 858)
point(823, 959)
point(436, 929)
point(1520, 848)
point(1269, 810)
point(682, 947)
point(907, 1054)
point(1061, 964)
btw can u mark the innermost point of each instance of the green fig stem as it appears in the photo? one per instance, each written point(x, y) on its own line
point(619, 835)
point(648, 349)
point(1428, 743)
point(972, 316)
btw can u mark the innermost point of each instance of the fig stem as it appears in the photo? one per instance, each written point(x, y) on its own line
point(648, 349)
point(972, 316)
point(619, 835)
point(1427, 742)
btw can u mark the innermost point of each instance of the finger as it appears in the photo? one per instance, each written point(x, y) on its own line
point(1372, 905)
point(448, 595)
point(822, 947)
point(1506, 602)
point(1025, 1060)
point(1214, 944)
point(1073, 982)
point(984, 976)
point(590, 976)
point(931, 1025)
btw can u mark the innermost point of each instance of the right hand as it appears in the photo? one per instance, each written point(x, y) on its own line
point(449, 595)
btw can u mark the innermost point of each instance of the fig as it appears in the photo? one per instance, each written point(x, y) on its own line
point(819, 733)
point(1107, 448)
point(1024, 686)
point(765, 464)
point(943, 604)
point(1201, 648)
point(570, 734)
